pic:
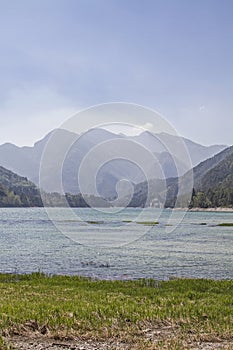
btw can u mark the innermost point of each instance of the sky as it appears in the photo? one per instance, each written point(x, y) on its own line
point(60, 56)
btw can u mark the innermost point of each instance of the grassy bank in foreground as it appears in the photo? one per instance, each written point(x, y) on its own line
point(146, 313)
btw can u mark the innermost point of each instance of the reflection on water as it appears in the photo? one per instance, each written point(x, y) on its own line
point(196, 248)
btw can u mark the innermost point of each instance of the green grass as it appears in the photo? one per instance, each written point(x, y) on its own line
point(93, 222)
point(226, 224)
point(116, 309)
point(148, 223)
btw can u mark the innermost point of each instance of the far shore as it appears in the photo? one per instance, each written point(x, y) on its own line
point(216, 210)
point(228, 210)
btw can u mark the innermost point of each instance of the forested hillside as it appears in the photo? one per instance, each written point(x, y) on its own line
point(215, 188)
point(212, 186)
point(17, 191)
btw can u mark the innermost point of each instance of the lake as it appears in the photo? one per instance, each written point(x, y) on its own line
point(126, 244)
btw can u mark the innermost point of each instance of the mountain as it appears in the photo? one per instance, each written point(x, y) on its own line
point(204, 172)
point(163, 142)
point(214, 188)
point(26, 161)
point(212, 182)
point(17, 191)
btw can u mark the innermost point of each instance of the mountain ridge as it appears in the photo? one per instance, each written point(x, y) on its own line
point(212, 185)
point(25, 160)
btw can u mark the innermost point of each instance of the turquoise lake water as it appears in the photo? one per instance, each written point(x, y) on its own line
point(116, 245)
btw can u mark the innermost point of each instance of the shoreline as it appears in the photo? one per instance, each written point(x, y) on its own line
point(216, 210)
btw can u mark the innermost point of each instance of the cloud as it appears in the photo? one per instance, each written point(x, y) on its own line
point(147, 126)
point(202, 108)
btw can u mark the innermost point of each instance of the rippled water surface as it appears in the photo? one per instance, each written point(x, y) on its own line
point(116, 245)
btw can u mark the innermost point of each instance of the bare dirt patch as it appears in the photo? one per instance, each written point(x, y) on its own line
point(169, 343)
point(22, 343)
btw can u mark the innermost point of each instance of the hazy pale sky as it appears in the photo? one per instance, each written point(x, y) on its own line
point(175, 56)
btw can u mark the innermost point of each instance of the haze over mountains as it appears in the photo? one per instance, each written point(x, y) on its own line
point(212, 185)
point(25, 161)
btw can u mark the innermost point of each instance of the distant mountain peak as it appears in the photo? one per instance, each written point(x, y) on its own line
point(26, 160)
